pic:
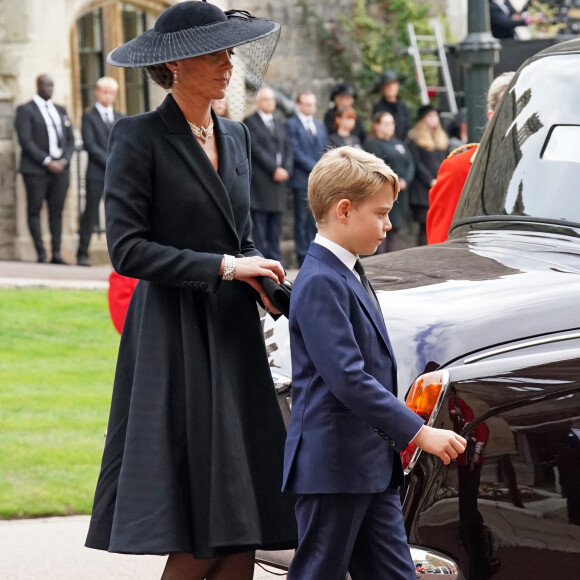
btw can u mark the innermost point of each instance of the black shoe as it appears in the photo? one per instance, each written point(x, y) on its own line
point(41, 259)
point(83, 261)
point(57, 259)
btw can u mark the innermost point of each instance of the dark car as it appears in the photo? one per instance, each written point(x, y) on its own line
point(486, 327)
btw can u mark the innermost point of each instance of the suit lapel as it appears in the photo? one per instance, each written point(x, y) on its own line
point(365, 300)
point(194, 156)
point(40, 119)
point(103, 127)
point(226, 169)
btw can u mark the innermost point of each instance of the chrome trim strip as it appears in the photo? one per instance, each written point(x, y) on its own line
point(520, 346)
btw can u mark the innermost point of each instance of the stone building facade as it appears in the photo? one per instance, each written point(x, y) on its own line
point(69, 40)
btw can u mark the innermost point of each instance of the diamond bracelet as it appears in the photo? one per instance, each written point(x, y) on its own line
point(229, 267)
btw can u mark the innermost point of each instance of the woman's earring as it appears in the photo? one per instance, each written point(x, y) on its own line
point(175, 76)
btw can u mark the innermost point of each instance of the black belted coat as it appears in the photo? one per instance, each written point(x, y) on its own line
point(194, 450)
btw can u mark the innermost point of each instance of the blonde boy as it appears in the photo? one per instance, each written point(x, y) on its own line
point(348, 427)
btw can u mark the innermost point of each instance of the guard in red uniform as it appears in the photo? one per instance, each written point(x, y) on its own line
point(444, 195)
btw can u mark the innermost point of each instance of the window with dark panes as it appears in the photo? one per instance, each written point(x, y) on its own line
point(136, 86)
point(91, 54)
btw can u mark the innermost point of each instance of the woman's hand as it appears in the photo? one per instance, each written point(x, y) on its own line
point(247, 269)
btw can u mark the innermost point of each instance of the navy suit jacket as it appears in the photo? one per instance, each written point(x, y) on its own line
point(95, 140)
point(307, 148)
point(347, 427)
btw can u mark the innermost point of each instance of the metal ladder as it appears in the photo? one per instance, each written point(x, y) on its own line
point(431, 44)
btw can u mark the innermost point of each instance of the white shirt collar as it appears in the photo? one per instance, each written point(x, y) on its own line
point(341, 253)
point(266, 117)
point(42, 104)
point(106, 112)
point(306, 120)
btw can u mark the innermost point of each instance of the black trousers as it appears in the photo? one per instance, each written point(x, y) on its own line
point(90, 216)
point(53, 189)
point(361, 533)
point(266, 227)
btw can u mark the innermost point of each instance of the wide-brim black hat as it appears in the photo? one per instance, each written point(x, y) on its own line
point(190, 29)
point(341, 89)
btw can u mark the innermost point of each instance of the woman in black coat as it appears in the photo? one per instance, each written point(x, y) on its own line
point(192, 465)
point(429, 145)
point(383, 143)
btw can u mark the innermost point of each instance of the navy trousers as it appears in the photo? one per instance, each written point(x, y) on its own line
point(304, 224)
point(363, 534)
point(266, 227)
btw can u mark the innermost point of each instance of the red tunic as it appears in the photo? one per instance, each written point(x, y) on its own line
point(120, 292)
point(444, 195)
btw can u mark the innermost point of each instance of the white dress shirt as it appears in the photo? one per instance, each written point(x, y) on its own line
point(106, 113)
point(53, 124)
point(308, 122)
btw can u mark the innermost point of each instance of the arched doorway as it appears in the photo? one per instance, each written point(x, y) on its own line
point(100, 27)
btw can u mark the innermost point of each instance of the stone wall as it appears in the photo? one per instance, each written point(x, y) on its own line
point(7, 179)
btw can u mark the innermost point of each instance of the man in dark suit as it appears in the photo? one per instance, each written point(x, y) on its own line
point(504, 19)
point(46, 137)
point(308, 138)
point(348, 426)
point(97, 124)
point(272, 161)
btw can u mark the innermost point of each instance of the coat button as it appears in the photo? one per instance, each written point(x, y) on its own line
point(196, 284)
point(203, 285)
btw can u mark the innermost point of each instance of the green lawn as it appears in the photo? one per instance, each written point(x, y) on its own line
point(57, 360)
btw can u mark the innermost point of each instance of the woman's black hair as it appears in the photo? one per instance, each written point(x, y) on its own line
point(160, 75)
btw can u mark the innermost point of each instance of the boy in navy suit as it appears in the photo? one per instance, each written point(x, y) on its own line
point(348, 427)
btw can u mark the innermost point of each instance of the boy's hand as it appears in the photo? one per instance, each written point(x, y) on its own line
point(447, 445)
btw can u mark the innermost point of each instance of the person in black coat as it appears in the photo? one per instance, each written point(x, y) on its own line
point(383, 143)
point(504, 19)
point(389, 86)
point(343, 128)
point(342, 96)
point(272, 161)
point(192, 465)
point(429, 145)
point(45, 134)
point(96, 128)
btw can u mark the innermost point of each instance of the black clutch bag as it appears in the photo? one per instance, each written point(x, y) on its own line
point(279, 294)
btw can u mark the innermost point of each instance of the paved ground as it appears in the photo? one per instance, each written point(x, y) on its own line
point(53, 548)
point(31, 274)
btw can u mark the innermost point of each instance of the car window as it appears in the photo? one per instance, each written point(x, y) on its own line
point(527, 167)
point(562, 144)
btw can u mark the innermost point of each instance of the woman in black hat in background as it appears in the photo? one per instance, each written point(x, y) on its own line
point(389, 85)
point(429, 145)
point(192, 465)
point(342, 97)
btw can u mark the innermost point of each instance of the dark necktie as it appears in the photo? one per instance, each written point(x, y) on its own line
point(108, 122)
point(358, 268)
point(58, 133)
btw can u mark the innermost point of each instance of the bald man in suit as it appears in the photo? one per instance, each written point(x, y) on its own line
point(45, 134)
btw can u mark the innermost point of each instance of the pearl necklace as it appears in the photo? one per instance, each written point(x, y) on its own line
point(204, 133)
